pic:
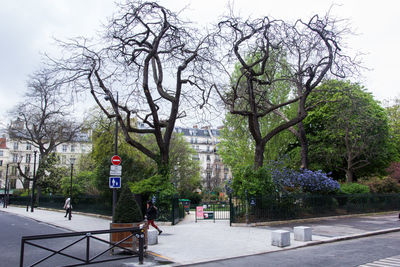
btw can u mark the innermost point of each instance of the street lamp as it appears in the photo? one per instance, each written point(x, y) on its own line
point(72, 160)
point(6, 190)
point(114, 201)
point(34, 181)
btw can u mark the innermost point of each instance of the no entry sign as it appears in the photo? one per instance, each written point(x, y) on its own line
point(116, 160)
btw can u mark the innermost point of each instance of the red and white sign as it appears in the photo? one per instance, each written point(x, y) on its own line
point(116, 160)
point(199, 212)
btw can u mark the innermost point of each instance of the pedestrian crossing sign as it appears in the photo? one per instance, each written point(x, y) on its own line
point(115, 182)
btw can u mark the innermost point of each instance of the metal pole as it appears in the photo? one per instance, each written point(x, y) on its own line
point(70, 193)
point(34, 181)
point(247, 209)
point(6, 190)
point(114, 203)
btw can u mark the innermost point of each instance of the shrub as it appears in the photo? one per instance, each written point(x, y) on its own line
point(382, 185)
point(394, 171)
point(304, 180)
point(354, 188)
point(127, 210)
point(255, 181)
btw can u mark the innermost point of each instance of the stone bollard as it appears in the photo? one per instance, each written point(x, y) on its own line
point(302, 233)
point(152, 237)
point(280, 238)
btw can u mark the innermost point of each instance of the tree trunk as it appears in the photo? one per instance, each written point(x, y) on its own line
point(349, 176)
point(304, 146)
point(259, 155)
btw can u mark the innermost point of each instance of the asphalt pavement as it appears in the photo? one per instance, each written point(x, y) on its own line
point(189, 242)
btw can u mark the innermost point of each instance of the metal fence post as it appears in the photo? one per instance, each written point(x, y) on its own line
point(247, 208)
point(141, 244)
point(21, 257)
point(230, 210)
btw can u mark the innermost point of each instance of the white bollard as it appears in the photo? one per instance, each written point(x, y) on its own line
point(302, 233)
point(280, 238)
point(152, 236)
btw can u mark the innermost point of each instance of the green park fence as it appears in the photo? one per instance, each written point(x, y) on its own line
point(298, 206)
point(170, 209)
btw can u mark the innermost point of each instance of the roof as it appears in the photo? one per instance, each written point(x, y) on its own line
point(197, 132)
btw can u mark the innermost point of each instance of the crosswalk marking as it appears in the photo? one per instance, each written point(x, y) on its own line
point(387, 262)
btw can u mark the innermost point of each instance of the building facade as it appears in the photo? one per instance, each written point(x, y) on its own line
point(14, 151)
point(204, 141)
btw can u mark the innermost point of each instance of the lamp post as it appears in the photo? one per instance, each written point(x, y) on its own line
point(34, 181)
point(114, 197)
point(72, 160)
point(6, 190)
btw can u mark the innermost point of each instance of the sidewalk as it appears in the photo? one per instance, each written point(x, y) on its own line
point(190, 242)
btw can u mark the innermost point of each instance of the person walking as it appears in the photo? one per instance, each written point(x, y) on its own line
point(151, 214)
point(67, 207)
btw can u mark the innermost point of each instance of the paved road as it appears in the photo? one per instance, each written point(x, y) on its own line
point(355, 252)
point(14, 227)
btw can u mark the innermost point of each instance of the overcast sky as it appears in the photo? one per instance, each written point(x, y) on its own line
point(27, 28)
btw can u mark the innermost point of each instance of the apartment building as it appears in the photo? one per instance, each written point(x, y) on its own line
point(204, 141)
point(14, 151)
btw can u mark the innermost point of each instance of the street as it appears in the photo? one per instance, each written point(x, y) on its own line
point(348, 253)
point(14, 227)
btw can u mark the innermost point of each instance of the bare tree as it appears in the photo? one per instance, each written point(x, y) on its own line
point(147, 66)
point(269, 52)
point(42, 119)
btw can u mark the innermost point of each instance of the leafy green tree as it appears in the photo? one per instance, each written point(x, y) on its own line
point(348, 132)
point(271, 55)
point(393, 112)
point(51, 174)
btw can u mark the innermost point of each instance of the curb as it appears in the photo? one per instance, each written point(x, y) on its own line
point(312, 243)
point(273, 223)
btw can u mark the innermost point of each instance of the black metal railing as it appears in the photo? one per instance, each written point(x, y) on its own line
point(213, 211)
point(137, 232)
point(297, 206)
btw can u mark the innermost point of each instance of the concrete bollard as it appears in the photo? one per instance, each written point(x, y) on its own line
point(302, 233)
point(152, 237)
point(280, 238)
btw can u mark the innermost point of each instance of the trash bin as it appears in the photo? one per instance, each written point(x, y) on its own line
point(186, 204)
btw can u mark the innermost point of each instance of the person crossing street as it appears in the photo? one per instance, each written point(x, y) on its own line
point(151, 214)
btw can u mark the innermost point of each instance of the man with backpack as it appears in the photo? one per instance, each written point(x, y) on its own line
point(151, 215)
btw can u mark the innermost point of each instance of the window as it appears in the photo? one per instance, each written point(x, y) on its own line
point(208, 158)
point(28, 158)
point(28, 146)
point(15, 146)
point(191, 140)
point(13, 183)
point(27, 170)
point(208, 148)
point(63, 159)
point(1, 175)
point(208, 166)
point(64, 148)
point(13, 170)
point(1, 162)
point(225, 176)
point(72, 148)
point(1, 153)
point(216, 158)
point(15, 158)
point(195, 140)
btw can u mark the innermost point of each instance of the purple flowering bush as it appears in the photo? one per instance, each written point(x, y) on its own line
point(307, 181)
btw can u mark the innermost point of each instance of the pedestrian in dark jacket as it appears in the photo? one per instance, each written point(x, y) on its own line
point(151, 214)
